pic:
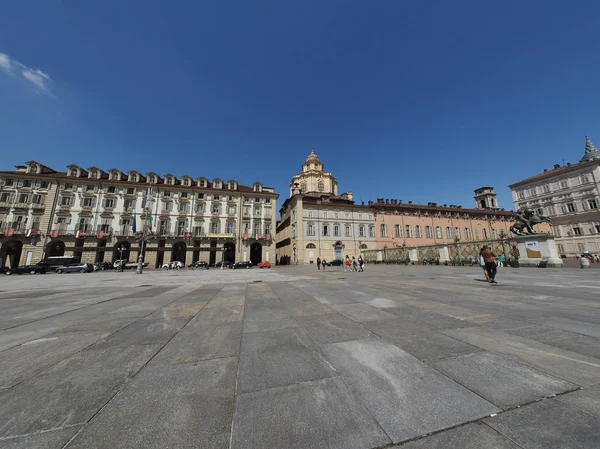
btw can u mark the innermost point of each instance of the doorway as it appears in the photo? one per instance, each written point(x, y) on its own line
point(256, 253)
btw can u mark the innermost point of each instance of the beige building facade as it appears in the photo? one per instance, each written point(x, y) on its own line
point(98, 216)
point(570, 196)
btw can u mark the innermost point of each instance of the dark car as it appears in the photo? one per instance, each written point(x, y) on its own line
point(244, 264)
point(335, 263)
point(199, 264)
point(76, 268)
point(227, 264)
point(31, 269)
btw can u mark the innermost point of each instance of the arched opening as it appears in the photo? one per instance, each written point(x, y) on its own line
point(178, 252)
point(55, 248)
point(10, 253)
point(229, 254)
point(100, 251)
point(482, 202)
point(256, 253)
point(121, 250)
point(339, 250)
point(311, 246)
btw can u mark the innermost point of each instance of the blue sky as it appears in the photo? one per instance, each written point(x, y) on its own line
point(415, 100)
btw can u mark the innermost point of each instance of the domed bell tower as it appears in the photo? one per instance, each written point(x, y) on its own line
point(485, 198)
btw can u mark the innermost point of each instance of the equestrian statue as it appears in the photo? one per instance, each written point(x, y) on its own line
point(525, 220)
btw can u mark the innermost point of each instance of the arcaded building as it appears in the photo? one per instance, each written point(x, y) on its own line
point(98, 216)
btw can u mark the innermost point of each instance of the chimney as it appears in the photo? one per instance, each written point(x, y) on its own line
point(568, 164)
point(556, 165)
point(545, 170)
point(399, 201)
point(387, 201)
point(362, 203)
point(410, 202)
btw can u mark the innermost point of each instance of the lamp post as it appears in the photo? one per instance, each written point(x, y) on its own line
point(223, 258)
point(121, 250)
point(142, 237)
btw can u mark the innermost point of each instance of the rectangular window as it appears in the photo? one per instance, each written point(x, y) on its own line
point(540, 211)
point(476, 234)
point(325, 230)
point(109, 203)
point(183, 194)
point(593, 204)
point(397, 231)
point(361, 231)
point(407, 231)
point(201, 196)
point(64, 201)
point(383, 230)
point(347, 231)
point(257, 229)
point(585, 178)
point(448, 232)
point(428, 233)
point(564, 184)
point(382, 218)
point(494, 233)
point(336, 230)
point(165, 226)
point(485, 234)
point(581, 247)
point(216, 209)
point(597, 228)
point(267, 228)
point(184, 207)
point(44, 185)
point(128, 204)
point(130, 191)
point(561, 248)
point(88, 202)
point(257, 200)
point(310, 213)
point(23, 198)
point(231, 210)
point(166, 194)
point(180, 227)
point(546, 188)
point(89, 187)
point(438, 232)
point(111, 189)
point(418, 232)
point(200, 208)
point(571, 207)
point(521, 195)
point(214, 227)
point(268, 200)
point(216, 197)
point(577, 231)
point(230, 227)
point(336, 214)
point(310, 230)
point(467, 233)
point(257, 211)
point(457, 233)
point(371, 231)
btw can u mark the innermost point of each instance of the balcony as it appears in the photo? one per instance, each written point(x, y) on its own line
point(65, 206)
point(183, 212)
point(165, 211)
point(220, 235)
point(199, 233)
point(104, 229)
point(38, 207)
point(4, 205)
point(216, 213)
point(124, 231)
point(87, 207)
point(109, 207)
point(21, 205)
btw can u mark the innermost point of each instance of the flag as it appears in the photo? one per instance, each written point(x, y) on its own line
point(133, 224)
point(54, 233)
point(100, 234)
point(29, 233)
point(78, 234)
point(150, 220)
point(9, 232)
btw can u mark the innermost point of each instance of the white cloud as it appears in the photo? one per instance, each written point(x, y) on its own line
point(39, 80)
point(5, 62)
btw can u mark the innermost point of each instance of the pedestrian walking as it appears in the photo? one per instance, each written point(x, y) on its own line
point(500, 261)
point(347, 263)
point(323, 264)
point(361, 262)
point(318, 263)
point(490, 264)
point(482, 262)
point(354, 264)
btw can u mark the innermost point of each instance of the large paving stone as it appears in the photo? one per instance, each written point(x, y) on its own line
point(586, 400)
point(315, 415)
point(54, 439)
point(278, 358)
point(332, 328)
point(144, 332)
point(406, 397)
point(28, 359)
point(180, 406)
point(501, 381)
point(201, 342)
point(362, 312)
point(576, 368)
point(471, 436)
point(580, 327)
point(220, 315)
point(547, 425)
point(72, 391)
point(432, 319)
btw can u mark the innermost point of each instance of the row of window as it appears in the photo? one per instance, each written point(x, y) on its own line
point(22, 198)
point(546, 188)
point(578, 230)
point(451, 233)
point(337, 214)
point(581, 248)
point(335, 230)
point(26, 183)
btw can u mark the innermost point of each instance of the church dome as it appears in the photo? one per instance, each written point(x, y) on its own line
point(312, 158)
point(591, 152)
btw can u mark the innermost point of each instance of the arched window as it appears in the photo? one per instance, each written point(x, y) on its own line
point(321, 186)
point(152, 179)
point(311, 246)
point(363, 246)
point(186, 182)
point(74, 172)
point(134, 177)
point(114, 176)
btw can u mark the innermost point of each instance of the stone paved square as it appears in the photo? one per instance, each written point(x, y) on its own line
point(293, 357)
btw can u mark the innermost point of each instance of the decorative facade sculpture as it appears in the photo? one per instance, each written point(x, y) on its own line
point(525, 221)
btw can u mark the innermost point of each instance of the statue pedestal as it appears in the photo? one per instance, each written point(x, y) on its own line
point(538, 250)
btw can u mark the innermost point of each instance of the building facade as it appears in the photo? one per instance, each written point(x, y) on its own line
point(98, 215)
point(570, 195)
point(317, 223)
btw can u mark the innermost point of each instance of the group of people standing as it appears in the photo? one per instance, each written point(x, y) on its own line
point(349, 264)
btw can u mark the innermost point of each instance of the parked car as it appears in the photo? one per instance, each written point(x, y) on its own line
point(76, 268)
point(54, 262)
point(199, 264)
point(174, 265)
point(265, 264)
point(244, 264)
point(227, 264)
point(335, 263)
point(31, 269)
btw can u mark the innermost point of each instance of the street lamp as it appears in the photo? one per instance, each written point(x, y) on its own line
point(223, 258)
point(121, 250)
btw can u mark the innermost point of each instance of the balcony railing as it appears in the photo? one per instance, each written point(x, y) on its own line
point(21, 205)
point(4, 204)
point(40, 206)
point(106, 229)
